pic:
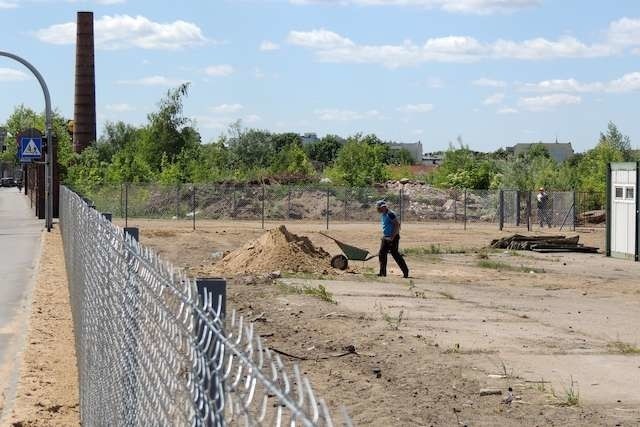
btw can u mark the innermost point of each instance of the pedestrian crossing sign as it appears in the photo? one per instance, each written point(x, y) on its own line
point(30, 148)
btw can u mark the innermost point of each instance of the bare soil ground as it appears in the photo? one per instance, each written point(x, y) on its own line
point(559, 329)
point(47, 391)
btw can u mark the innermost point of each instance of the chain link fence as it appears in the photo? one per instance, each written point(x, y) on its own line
point(151, 351)
point(333, 204)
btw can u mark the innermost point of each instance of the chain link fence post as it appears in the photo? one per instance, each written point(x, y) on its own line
point(193, 205)
point(126, 204)
point(328, 204)
point(346, 204)
point(501, 210)
point(517, 208)
point(263, 201)
point(288, 202)
point(178, 201)
point(465, 208)
point(575, 213)
point(121, 210)
point(212, 292)
point(528, 207)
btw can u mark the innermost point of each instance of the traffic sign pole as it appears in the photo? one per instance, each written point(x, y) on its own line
point(48, 134)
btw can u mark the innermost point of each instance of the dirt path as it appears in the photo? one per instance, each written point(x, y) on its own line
point(558, 329)
point(47, 391)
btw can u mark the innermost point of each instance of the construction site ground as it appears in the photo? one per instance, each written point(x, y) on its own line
point(560, 329)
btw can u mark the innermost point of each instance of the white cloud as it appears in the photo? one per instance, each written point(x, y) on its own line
point(110, 2)
point(332, 114)
point(267, 46)
point(224, 70)
point(333, 47)
point(8, 4)
point(12, 75)
point(226, 108)
point(489, 83)
point(507, 110)
point(625, 32)
point(119, 108)
point(481, 7)
point(417, 131)
point(124, 32)
point(319, 39)
point(494, 99)
point(153, 81)
point(259, 74)
point(627, 83)
point(416, 108)
point(548, 102)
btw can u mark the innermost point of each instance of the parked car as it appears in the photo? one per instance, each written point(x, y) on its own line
point(7, 182)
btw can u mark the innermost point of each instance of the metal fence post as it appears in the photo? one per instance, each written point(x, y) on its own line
point(178, 201)
point(193, 206)
point(212, 292)
point(288, 202)
point(518, 208)
point(121, 200)
point(465, 208)
point(528, 207)
point(501, 209)
point(455, 208)
point(328, 196)
point(346, 204)
point(575, 216)
point(401, 205)
point(126, 204)
point(263, 197)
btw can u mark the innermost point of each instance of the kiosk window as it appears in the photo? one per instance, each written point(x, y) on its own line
point(630, 193)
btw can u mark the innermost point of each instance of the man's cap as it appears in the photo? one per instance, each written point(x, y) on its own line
point(381, 203)
point(541, 189)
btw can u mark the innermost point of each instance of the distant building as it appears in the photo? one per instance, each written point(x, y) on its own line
point(559, 151)
point(309, 138)
point(415, 149)
point(435, 159)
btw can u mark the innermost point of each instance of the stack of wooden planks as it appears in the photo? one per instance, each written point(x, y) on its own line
point(542, 244)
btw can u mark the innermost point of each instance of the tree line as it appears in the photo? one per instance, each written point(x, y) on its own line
point(168, 149)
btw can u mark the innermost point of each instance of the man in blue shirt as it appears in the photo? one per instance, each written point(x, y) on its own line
point(390, 239)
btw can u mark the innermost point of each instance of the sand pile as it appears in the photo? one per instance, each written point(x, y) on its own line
point(277, 249)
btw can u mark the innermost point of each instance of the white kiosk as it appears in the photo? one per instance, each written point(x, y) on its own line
point(622, 210)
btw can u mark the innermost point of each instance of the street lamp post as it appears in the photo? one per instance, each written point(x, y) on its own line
point(48, 154)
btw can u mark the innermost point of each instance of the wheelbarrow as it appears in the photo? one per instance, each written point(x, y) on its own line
point(341, 262)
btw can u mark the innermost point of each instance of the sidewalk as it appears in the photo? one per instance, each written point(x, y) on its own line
point(20, 243)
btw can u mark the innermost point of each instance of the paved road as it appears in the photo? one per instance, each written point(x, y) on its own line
point(20, 235)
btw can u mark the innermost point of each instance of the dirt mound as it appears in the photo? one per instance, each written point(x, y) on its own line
point(278, 249)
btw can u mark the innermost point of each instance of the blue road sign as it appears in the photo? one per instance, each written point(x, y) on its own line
point(30, 148)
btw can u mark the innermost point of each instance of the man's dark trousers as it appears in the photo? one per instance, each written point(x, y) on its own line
point(391, 246)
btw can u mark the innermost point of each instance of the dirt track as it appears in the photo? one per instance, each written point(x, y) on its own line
point(554, 319)
point(47, 391)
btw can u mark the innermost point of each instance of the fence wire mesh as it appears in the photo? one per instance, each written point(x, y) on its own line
point(150, 352)
point(414, 202)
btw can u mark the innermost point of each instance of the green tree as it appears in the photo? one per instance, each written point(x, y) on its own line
point(462, 168)
point(116, 136)
point(325, 150)
point(293, 162)
point(86, 173)
point(168, 131)
point(359, 163)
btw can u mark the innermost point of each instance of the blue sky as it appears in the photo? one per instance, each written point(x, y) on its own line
point(494, 72)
